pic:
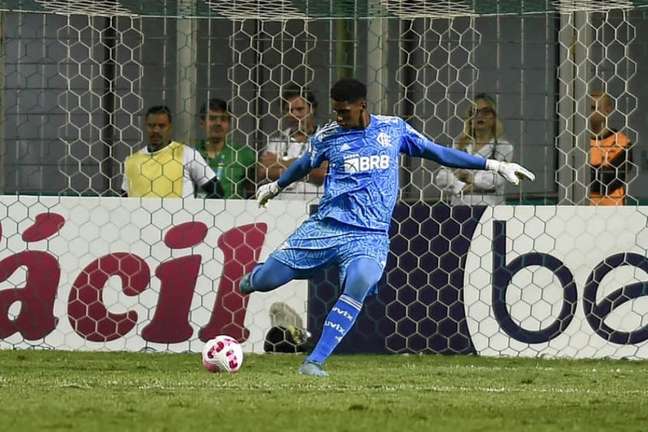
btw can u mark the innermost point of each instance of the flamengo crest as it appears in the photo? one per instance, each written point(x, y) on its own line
point(383, 139)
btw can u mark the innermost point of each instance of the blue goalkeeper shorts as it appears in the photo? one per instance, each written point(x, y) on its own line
point(321, 243)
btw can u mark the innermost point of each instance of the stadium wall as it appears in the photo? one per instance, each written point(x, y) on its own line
point(161, 275)
point(516, 281)
point(125, 274)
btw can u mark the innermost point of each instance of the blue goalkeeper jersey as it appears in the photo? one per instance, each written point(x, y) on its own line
point(362, 183)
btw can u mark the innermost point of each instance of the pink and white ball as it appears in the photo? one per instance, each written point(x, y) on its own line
point(222, 354)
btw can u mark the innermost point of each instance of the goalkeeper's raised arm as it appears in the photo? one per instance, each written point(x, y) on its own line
point(415, 144)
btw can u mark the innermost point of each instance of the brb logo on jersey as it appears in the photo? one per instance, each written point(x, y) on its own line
point(356, 164)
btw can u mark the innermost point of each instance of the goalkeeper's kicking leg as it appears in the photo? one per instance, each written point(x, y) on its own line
point(268, 276)
point(361, 276)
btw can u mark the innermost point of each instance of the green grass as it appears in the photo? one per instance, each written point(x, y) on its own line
point(54, 390)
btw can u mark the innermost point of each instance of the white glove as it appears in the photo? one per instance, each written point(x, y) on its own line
point(266, 192)
point(510, 171)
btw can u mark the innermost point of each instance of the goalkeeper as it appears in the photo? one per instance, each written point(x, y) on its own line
point(350, 228)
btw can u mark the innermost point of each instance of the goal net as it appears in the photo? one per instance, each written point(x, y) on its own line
point(474, 267)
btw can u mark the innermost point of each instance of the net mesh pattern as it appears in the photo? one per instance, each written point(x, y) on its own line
point(529, 270)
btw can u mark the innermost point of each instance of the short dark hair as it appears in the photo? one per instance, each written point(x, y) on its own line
point(160, 109)
point(348, 90)
point(214, 104)
point(292, 91)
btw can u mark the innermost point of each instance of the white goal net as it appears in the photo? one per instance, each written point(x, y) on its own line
point(555, 267)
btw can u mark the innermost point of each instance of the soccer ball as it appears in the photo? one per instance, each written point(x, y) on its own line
point(222, 354)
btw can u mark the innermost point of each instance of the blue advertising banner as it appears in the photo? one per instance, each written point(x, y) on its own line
point(419, 305)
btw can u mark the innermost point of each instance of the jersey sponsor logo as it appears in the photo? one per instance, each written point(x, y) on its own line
point(335, 326)
point(383, 139)
point(342, 312)
point(355, 163)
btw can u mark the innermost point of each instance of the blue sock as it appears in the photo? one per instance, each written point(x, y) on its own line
point(338, 322)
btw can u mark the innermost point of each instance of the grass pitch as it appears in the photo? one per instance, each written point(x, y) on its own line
point(54, 390)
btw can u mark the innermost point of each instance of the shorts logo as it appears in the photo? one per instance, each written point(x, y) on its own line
point(383, 139)
point(355, 163)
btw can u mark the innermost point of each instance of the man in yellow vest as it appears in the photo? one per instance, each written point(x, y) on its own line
point(166, 168)
point(610, 155)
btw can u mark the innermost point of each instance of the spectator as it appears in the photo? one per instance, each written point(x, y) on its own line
point(233, 164)
point(298, 106)
point(166, 168)
point(483, 135)
point(610, 155)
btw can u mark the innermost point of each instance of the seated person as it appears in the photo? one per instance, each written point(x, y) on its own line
point(233, 164)
point(610, 155)
point(482, 136)
point(298, 105)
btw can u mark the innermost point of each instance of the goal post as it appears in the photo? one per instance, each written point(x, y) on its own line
point(540, 272)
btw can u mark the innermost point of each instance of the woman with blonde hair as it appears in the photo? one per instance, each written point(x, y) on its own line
point(483, 135)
